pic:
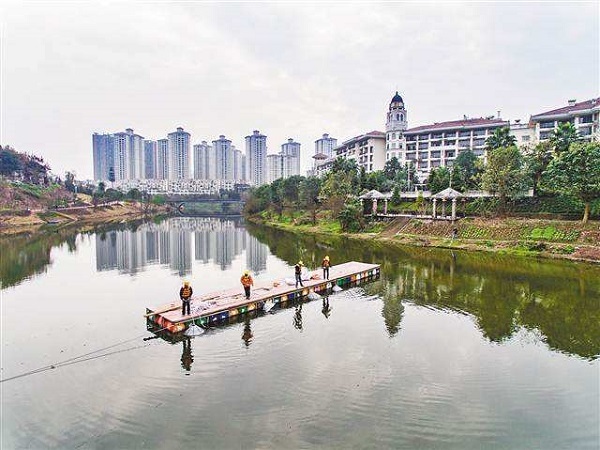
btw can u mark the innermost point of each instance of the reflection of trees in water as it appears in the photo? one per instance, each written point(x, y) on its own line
point(24, 256)
point(503, 293)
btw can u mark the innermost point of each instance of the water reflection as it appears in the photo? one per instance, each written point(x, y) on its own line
point(187, 358)
point(247, 334)
point(503, 293)
point(326, 309)
point(557, 300)
point(170, 243)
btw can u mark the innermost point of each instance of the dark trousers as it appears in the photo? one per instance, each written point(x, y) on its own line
point(299, 280)
point(326, 273)
point(247, 291)
point(185, 306)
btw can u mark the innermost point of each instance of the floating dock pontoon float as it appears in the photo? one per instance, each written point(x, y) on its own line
point(222, 305)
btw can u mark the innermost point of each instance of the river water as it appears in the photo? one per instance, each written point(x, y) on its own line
point(447, 350)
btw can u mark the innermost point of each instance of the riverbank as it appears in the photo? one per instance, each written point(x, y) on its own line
point(555, 239)
point(32, 221)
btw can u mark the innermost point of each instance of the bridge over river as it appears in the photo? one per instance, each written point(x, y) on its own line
point(196, 205)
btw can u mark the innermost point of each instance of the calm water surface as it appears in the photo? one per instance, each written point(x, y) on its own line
point(448, 350)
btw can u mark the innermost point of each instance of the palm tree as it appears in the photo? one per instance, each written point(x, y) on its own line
point(500, 138)
point(563, 136)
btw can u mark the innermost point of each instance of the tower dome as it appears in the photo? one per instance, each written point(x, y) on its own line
point(397, 99)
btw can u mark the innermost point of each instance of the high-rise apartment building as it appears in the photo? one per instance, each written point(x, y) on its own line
point(128, 155)
point(162, 159)
point(325, 145)
point(179, 154)
point(238, 165)
point(274, 167)
point(290, 151)
point(224, 159)
point(103, 155)
point(256, 158)
point(204, 164)
point(150, 154)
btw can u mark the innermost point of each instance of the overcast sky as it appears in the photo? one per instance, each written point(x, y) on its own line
point(294, 70)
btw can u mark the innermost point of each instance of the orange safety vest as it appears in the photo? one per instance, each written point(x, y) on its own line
point(246, 280)
point(186, 292)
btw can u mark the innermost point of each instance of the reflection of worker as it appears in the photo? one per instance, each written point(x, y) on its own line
point(247, 281)
point(325, 264)
point(298, 272)
point(247, 334)
point(326, 309)
point(185, 294)
point(186, 355)
point(298, 317)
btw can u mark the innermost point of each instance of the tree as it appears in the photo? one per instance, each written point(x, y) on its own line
point(465, 171)
point(563, 136)
point(291, 189)
point(70, 181)
point(504, 175)
point(391, 168)
point(335, 190)
point(111, 175)
point(439, 179)
point(134, 194)
point(500, 138)
point(395, 200)
point(536, 162)
point(277, 196)
point(10, 161)
point(309, 196)
point(351, 216)
point(101, 188)
point(576, 172)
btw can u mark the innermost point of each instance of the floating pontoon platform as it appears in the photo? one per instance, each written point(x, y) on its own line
point(222, 305)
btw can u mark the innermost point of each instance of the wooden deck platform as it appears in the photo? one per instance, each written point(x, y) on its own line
point(221, 305)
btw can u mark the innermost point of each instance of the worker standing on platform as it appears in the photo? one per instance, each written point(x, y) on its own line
point(185, 294)
point(325, 265)
point(247, 281)
point(298, 272)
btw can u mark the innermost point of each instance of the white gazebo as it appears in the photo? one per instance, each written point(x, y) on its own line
point(375, 196)
point(444, 196)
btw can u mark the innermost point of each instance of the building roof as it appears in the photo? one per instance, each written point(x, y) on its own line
point(397, 99)
point(370, 134)
point(593, 103)
point(374, 194)
point(456, 124)
point(320, 156)
point(448, 193)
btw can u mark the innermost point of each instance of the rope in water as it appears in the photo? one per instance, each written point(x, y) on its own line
point(83, 357)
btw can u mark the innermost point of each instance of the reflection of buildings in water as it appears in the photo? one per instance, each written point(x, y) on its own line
point(181, 251)
point(256, 255)
point(170, 243)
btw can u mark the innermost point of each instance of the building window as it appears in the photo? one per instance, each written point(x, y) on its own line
point(524, 138)
point(547, 124)
point(450, 142)
point(586, 119)
point(423, 145)
point(464, 134)
point(435, 154)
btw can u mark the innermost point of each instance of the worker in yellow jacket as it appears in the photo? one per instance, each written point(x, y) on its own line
point(247, 282)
